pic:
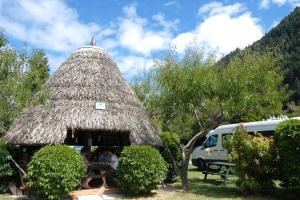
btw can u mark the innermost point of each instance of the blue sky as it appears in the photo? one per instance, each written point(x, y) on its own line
point(133, 32)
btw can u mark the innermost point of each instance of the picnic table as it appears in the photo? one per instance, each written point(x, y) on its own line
point(94, 169)
point(98, 165)
point(223, 169)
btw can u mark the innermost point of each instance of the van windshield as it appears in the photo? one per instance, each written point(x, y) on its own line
point(211, 141)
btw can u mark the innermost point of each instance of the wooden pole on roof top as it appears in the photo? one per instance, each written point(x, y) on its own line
point(93, 41)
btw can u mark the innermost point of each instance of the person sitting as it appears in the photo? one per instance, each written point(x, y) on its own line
point(104, 157)
point(111, 168)
point(85, 156)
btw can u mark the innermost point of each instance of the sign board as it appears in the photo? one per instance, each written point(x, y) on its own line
point(100, 106)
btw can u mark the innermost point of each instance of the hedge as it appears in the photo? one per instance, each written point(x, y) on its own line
point(141, 169)
point(55, 171)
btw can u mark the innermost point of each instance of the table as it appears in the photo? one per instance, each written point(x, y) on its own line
point(95, 167)
point(224, 168)
point(98, 165)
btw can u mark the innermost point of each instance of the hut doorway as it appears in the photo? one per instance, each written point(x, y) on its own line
point(101, 138)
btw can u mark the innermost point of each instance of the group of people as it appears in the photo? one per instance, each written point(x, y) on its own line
point(108, 163)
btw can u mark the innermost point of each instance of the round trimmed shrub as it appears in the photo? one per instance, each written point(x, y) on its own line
point(287, 138)
point(6, 170)
point(141, 169)
point(170, 147)
point(55, 171)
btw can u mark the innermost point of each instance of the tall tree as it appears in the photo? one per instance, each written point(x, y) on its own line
point(193, 87)
point(22, 76)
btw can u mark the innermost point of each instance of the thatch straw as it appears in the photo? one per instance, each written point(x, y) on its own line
point(88, 76)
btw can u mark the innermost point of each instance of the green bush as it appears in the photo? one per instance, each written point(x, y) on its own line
point(287, 139)
point(254, 159)
point(141, 169)
point(170, 147)
point(6, 170)
point(54, 171)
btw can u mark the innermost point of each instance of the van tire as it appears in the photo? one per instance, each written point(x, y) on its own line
point(201, 164)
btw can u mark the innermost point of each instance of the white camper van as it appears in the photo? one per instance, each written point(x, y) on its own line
point(212, 150)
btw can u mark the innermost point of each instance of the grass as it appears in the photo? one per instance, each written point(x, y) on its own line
point(5, 197)
point(212, 188)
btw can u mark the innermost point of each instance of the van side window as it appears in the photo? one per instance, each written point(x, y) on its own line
point(224, 137)
point(211, 141)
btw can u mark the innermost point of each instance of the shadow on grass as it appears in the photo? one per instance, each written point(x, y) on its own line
point(214, 187)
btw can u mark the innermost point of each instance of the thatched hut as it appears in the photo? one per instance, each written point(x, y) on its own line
point(90, 103)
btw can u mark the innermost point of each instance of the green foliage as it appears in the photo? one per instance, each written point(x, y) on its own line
point(22, 75)
point(185, 94)
point(140, 170)
point(287, 138)
point(5, 168)
point(173, 160)
point(250, 88)
point(3, 41)
point(55, 171)
point(254, 159)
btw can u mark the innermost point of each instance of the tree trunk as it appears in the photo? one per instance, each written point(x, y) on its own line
point(184, 173)
point(186, 154)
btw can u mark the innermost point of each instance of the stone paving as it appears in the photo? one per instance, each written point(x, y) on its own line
point(96, 194)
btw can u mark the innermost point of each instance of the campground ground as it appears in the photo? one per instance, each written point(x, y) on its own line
point(212, 188)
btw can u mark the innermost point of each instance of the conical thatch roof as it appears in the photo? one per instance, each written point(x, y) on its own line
point(88, 76)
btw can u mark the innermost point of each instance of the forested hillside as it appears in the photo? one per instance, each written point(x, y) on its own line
point(283, 40)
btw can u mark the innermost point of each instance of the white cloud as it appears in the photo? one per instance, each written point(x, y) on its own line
point(265, 4)
point(136, 34)
point(131, 65)
point(226, 27)
point(171, 3)
point(216, 8)
point(49, 25)
point(165, 24)
point(280, 2)
point(183, 40)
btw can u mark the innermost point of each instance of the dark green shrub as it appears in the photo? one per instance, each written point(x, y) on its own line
point(141, 169)
point(170, 147)
point(287, 139)
point(254, 159)
point(5, 167)
point(54, 171)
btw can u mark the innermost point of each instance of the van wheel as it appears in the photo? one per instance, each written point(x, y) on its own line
point(201, 164)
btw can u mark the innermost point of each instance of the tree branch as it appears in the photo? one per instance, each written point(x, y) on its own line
point(175, 141)
point(197, 136)
point(197, 116)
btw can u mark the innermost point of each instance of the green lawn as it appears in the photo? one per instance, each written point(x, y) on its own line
point(212, 188)
point(4, 197)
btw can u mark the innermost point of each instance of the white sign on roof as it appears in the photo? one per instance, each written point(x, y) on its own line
point(100, 106)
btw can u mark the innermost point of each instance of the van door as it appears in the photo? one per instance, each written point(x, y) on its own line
point(210, 148)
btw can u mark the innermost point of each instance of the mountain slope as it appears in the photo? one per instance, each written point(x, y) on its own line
point(285, 40)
